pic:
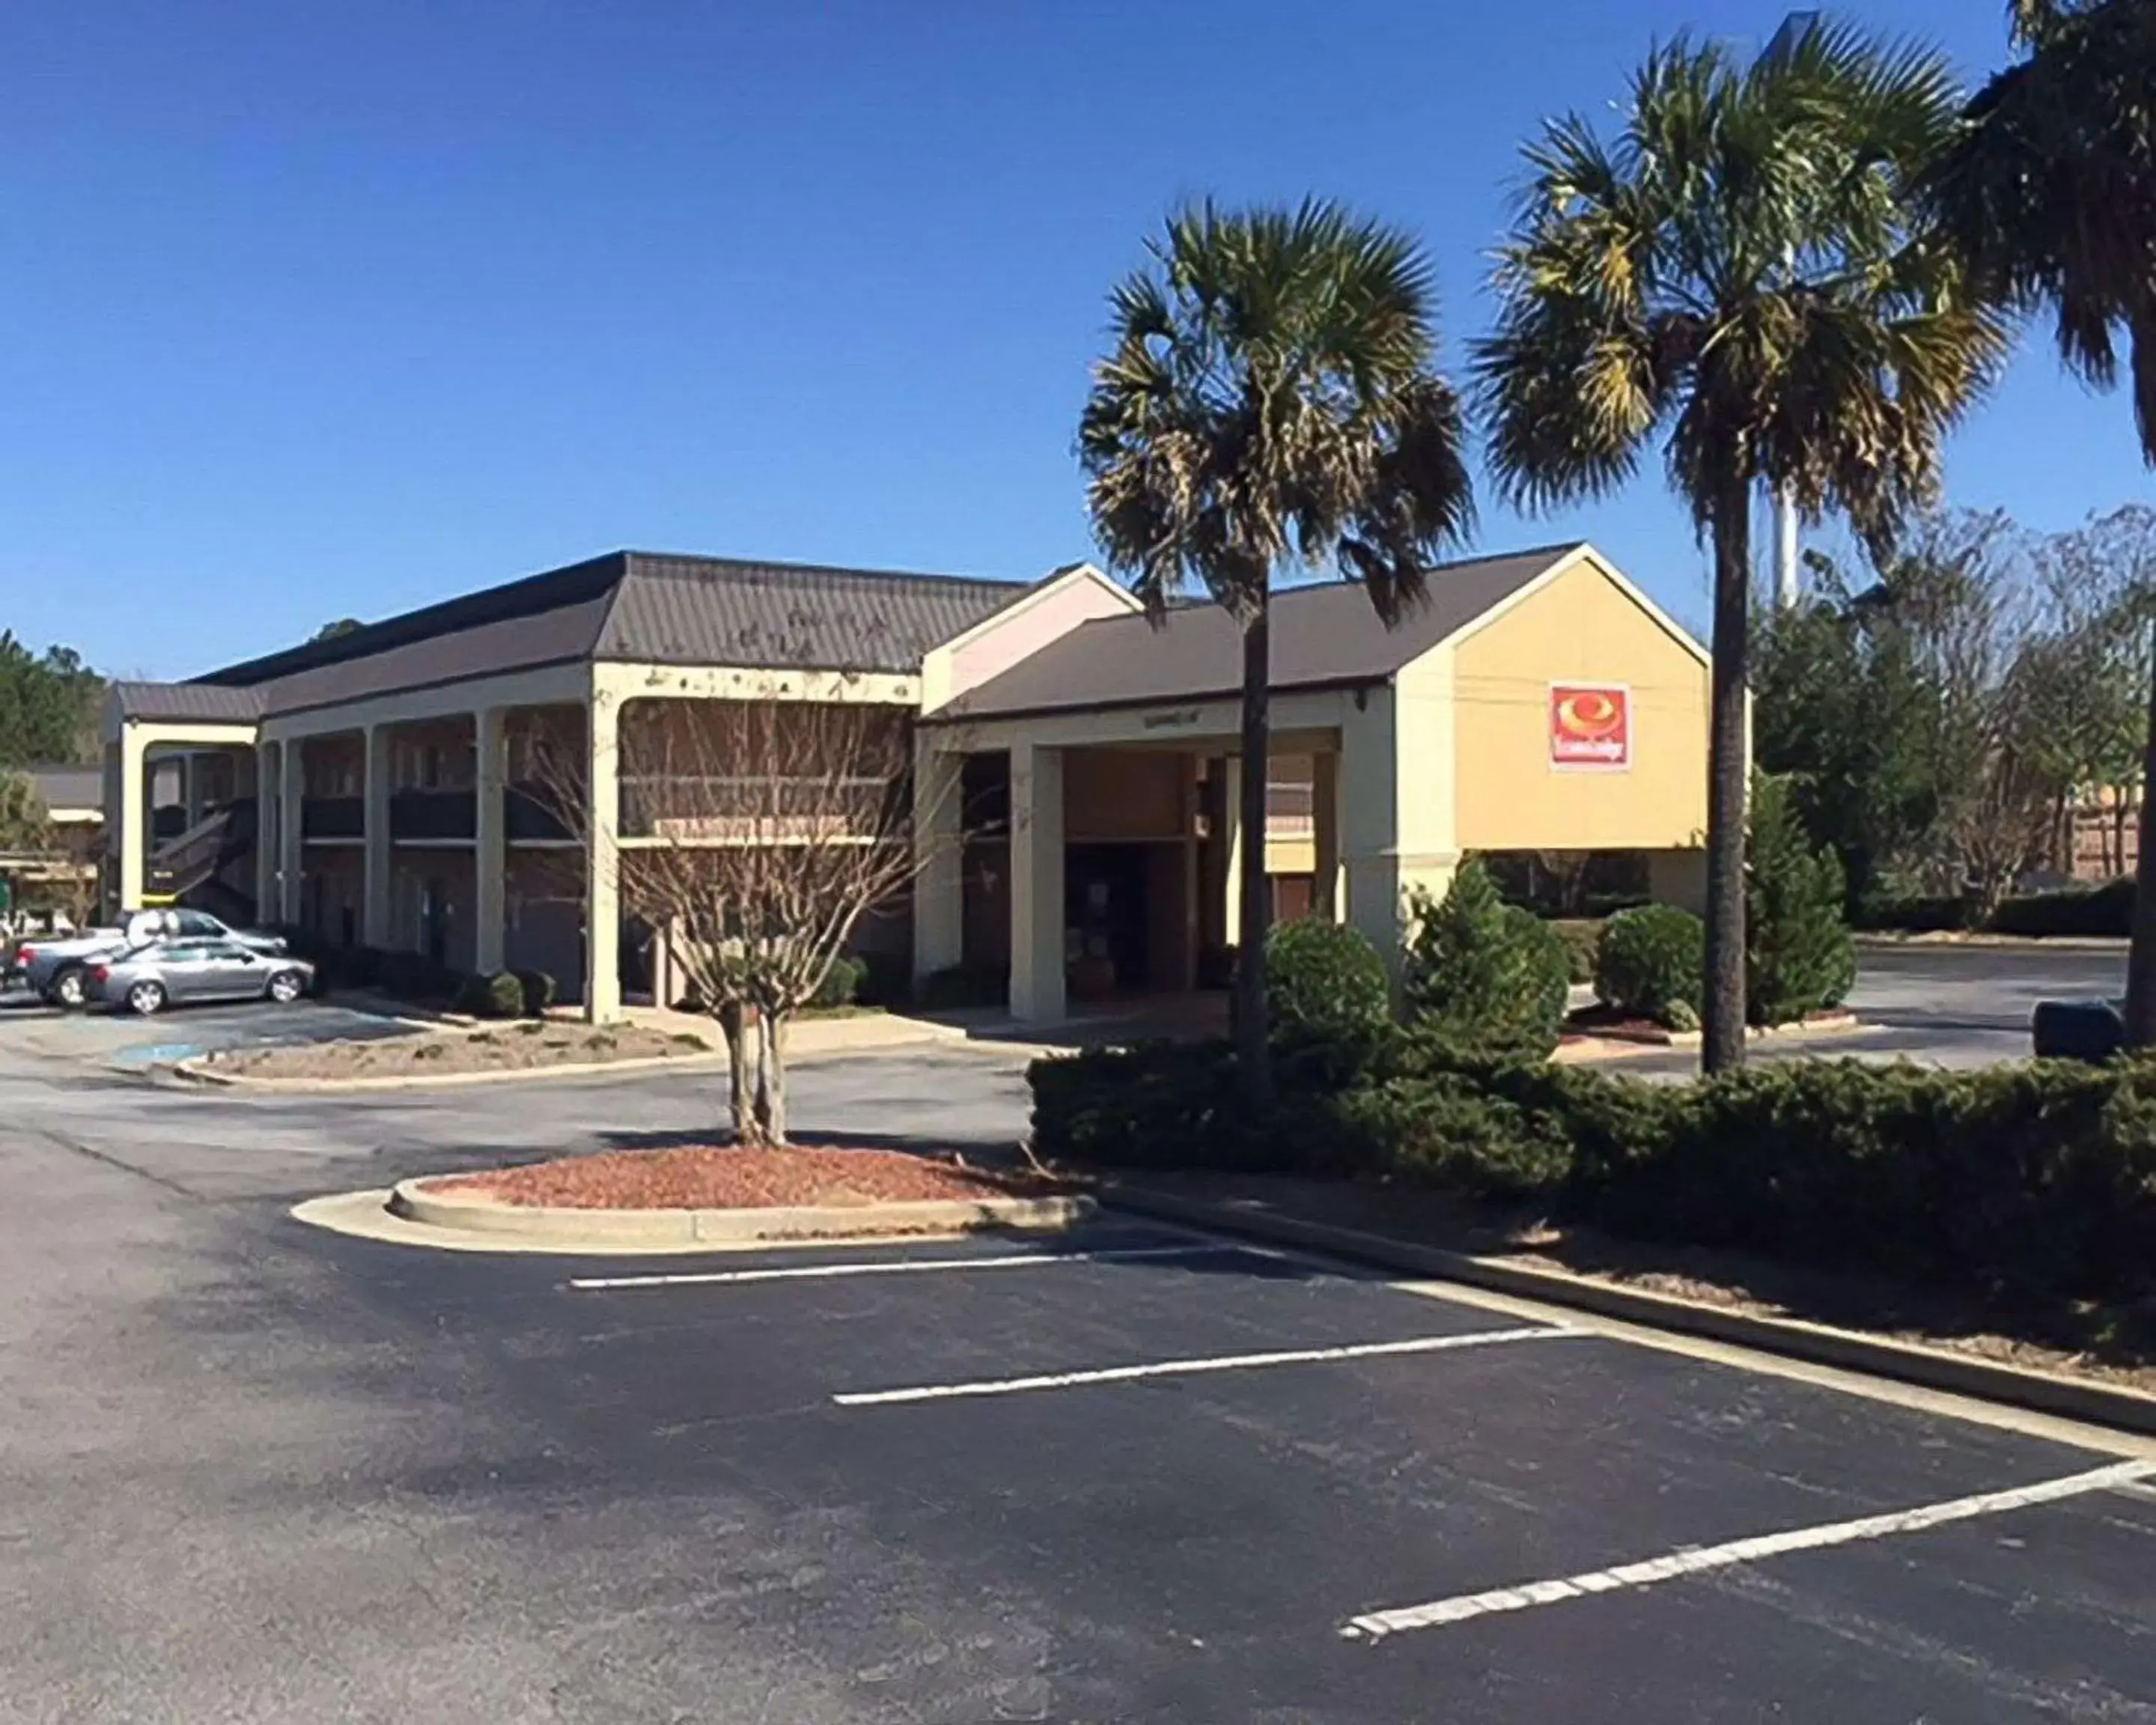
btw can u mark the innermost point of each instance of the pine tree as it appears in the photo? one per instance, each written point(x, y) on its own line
point(1798, 955)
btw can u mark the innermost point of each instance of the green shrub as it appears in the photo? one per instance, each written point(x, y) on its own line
point(1483, 974)
point(2105, 910)
point(1916, 913)
point(1582, 939)
point(1652, 961)
point(499, 996)
point(540, 990)
point(1799, 956)
point(1326, 993)
point(841, 982)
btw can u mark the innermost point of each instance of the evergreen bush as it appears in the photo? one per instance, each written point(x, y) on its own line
point(1481, 973)
point(1652, 964)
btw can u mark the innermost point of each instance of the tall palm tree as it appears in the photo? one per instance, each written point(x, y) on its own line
point(2050, 196)
point(1269, 400)
point(1735, 271)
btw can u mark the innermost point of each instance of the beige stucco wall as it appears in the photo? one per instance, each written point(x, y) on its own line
point(994, 646)
point(1582, 626)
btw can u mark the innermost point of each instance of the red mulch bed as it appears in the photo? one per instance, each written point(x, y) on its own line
point(726, 1177)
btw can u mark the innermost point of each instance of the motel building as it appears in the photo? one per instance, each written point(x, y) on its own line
point(1073, 776)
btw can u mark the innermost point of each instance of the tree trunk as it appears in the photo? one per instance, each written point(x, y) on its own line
point(2141, 959)
point(770, 1078)
point(1252, 1059)
point(1722, 1047)
point(740, 1065)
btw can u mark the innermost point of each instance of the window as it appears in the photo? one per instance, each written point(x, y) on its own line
point(197, 925)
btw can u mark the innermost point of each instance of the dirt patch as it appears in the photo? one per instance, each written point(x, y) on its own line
point(507, 1048)
point(724, 1177)
point(2114, 1343)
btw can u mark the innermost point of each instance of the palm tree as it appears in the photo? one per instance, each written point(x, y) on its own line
point(1736, 271)
point(2050, 196)
point(1268, 401)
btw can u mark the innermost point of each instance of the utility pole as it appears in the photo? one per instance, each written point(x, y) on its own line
point(1785, 505)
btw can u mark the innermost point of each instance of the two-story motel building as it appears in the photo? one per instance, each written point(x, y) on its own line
point(375, 787)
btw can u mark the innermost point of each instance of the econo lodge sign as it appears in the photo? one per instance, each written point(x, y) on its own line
point(1590, 724)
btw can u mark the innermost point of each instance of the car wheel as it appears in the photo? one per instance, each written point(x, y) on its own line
point(286, 987)
point(146, 997)
point(70, 989)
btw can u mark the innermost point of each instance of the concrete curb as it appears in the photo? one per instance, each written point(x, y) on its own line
point(1593, 1048)
point(1821, 1344)
point(200, 1071)
point(1883, 940)
point(566, 1230)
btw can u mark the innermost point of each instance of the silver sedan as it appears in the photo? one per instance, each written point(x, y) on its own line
point(147, 979)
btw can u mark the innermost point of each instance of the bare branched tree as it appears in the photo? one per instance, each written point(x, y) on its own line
point(755, 835)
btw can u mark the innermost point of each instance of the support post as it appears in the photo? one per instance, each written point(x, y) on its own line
point(267, 778)
point(1234, 847)
point(291, 795)
point(1037, 919)
point(134, 837)
point(939, 908)
point(490, 848)
point(1325, 896)
point(603, 861)
point(376, 863)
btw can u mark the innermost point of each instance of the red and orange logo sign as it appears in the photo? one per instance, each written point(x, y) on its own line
point(1590, 724)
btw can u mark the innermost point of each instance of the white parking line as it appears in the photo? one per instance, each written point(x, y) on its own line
point(1376, 1626)
point(896, 1267)
point(1173, 1368)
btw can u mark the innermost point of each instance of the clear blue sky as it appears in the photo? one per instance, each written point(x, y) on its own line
point(312, 310)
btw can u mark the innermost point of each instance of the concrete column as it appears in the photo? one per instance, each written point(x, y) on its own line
point(1193, 877)
point(131, 842)
point(1396, 812)
point(1234, 850)
point(939, 902)
point(602, 862)
point(291, 793)
point(489, 848)
point(1326, 896)
point(377, 851)
point(267, 778)
point(1036, 887)
point(190, 789)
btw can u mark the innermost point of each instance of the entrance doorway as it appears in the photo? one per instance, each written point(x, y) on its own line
point(1105, 919)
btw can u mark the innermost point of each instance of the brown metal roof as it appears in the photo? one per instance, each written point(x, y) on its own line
point(1324, 634)
point(188, 703)
point(626, 606)
point(674, 610)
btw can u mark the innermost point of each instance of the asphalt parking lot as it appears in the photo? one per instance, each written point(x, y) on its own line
point(253, 1471)
point(124, 1040)
point(1139, 1476)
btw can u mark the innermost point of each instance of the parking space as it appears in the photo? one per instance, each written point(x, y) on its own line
point(125, 1040)
point(1138, 1475)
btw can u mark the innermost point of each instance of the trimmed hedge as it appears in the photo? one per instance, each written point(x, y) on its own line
point(499, 996)
point(2036, 1179)
point(1652, 964)
point(841, 983)
point(2105, 910)
point(1325, 988)
point(540, 990)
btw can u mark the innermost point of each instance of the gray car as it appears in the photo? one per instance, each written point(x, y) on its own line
point(58, 970)
point(147, 979)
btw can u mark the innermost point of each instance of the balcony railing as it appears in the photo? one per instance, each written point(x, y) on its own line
point(333, 817)
point(432, 815)
point(527, 816)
